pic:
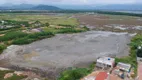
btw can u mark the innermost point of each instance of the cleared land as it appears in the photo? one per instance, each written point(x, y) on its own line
point(111, 22)
point(68, 50)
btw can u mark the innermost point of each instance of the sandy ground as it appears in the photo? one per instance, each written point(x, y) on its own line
point(69, 50)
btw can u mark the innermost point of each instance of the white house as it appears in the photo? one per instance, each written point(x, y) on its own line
point(105, 62)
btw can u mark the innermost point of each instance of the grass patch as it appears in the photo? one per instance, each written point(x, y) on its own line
point(76, 73)
point(15, 77)
point(12, 35)
point(2, 47)
point(2, 74)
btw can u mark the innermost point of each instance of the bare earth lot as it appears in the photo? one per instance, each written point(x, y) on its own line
point(68, 50)
point(111, 21)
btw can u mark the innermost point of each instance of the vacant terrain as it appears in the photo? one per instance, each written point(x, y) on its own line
point(68, 50)
point(115, 23)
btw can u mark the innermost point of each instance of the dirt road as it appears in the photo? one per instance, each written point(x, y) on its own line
point(140, 71)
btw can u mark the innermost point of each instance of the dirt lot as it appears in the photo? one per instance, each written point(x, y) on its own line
point(115, 21)
point(68, 50)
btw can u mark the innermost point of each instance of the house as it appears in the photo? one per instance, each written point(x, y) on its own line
point(105, 62)
point(124, 67)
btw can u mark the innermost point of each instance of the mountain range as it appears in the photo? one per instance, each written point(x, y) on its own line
point(114, 7)
point(28, 7)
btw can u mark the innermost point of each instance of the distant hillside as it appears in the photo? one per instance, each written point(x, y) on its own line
point(76, 7)
point(29, 7)
point(120, 7)
point(45, 7)
point(103, 7)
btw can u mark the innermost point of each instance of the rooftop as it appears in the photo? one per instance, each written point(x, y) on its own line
point(106, 60)
point(124, 66)
point(101, 76)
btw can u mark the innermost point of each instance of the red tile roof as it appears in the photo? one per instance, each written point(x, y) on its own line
point(101, 76)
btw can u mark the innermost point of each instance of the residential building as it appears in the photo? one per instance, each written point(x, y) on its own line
point(124, 66)
point(105, 62)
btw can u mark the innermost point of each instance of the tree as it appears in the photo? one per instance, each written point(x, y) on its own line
point(47, 24)
point(139, 52)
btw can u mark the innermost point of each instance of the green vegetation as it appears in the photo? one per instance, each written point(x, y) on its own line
point(65, 25)
point(76, 73)
point(70, 30)
point(131, 59)
point(97, 11)
point(14, 23)
point(46, 34)
point(12, 35)
point(2, 47)
point(31, 17)
point(15, 77)
point(2, 74)
point(32, 37)
point(47, 24)
point(136, 41)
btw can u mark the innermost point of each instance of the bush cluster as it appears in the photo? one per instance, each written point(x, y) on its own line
point(76, 73)
point(32, 37)
point(2, 47)
point(69, 30)
point(12, 35)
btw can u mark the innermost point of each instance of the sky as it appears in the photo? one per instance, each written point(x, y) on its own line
point(69, 2)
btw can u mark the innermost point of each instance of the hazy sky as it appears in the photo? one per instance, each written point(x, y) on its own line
point(78, 2)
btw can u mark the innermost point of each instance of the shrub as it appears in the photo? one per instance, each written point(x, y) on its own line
point(77, 73)
point(15, 77)
point(2, 47)
point(47, 24)
point(32, 37)
point(65, 25)
point(2, 74)
point(12, 35)
point(86, 28)
point(74, 74)
point(69, 30)
point(22, 41)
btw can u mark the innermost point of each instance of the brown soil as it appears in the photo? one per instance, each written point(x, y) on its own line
point(102, 20)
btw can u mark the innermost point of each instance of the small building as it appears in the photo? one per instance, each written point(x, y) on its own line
point(124, 66)
point(105, 62)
